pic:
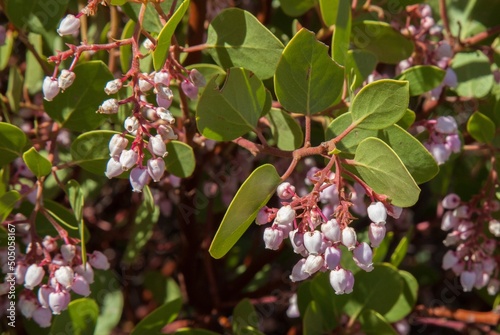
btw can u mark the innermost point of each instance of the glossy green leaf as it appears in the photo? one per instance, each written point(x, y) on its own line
point(382, 250)
point(406, 300)
point(342, 33)
point(481, 127)
point(380, 104)
point(6, 50)
point(7, 202)
point(383, 40)
point(296, 7)
point(401, 249)
point(233, 110)
point(37, 16)
point(329, 10)
point(111, 311)
point(422, 78)
point(313, 322)
point(379, 166)
point(235, 38)
point(304, 296)
point(245, 318)
point(250, 198)
point(34, 73)
point(157, 319)
point(151, 22)
point(4, 179)
point(126, 50)
point(75, 197)
point(162, 49)
point(307, 80)
point(180, 160)
point(91, 150)
point(39, 165)
point(412, 153)
point(474, 75)
point(286, 131)
point(81, 315)
point(325, 298)
point(359, 65)
point(372, 323)
point(76, 108)
point(12, 142)
point(407, 120)
point(62, 215)
point(14, 88)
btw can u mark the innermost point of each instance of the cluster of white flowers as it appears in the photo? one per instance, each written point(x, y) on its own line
point(443, 138)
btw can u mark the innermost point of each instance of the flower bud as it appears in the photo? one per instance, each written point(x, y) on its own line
point(332, 257)
point(43, 295)
point(461, 212)
point(113, 86)
point(162, 77)
point(285, 190)
point(349, 238)
point(450, 80)
point(99, 261)
point(197, 78)
point(377, 212)
point(298, 272)
point(285, 215)
point(446, 125)
point(27, 305)
point(131, 124)
point(156, 168)
point(113, 168)
point(87, 272)
point(166, 132)
point(69, 25)
point(468, 279)
point(189, 90)
point(164, 92)
point(50, 88)
point(80, 286)
point(20, 273)
point(262, 216)
point(64, 276)
point(395, 211)
point(376, 234)
point(494, 227)
point(312, 241)
point(313, 264)
point(331, 230)
point(273, 238)
point(109, 106)
point(139, 177)
point(34, 276)
point(58, 301)
point(157, 146)
point(342, 281)
point(165, 115)
point(449, 221)
point(49, 243)
point(451, 201)
point(43, 317)
point(453, 143)
point(440, 153)
point(128, 159)
point(162, 102)
point(297, 240)
point(362, 256)
point(117, 144)
point(68, 251)
point(66, 79)
point(148, 44)
point(145, 85)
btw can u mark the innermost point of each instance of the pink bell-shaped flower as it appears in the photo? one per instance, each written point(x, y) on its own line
point(331, 230)
point(139, 177)
point(273, 238)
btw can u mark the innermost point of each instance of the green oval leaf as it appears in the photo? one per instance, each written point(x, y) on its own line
point(14, 88)
point(82, 315)
point(422, 78)
point(91, 150)
point(372, 323)
point(380, 104)
point(235, 38)
point(342, 32)
point(401, 249)
point(296, 8)
point(7, 202)
point(76, 108)
point(313, 322)
point(250, 198)
point(39, 165)
point(157, 319)
point(328, 9)
point(379, 166)
point(162, 49)
point(384, 41)
point(307, 80)
point(180, 160)
point(38, 16)
point(226, 113)
point(474, 75)
point(126, 50)
point(34, 73)
point(406, 300)
point(286, 131)
point(360, 64)
point(6, 50)
point(12, 142)
point(245, 317)
point(481, 127)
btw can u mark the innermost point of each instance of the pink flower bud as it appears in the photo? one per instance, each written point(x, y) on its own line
point(349, 238)
point(332, 257)
point(109, 106)
point(49, 243)
point(164, 92)
point(87, 272)
point(43, 317)
point(144, 85)
point(461, 212)
point(440, 152)
point(166, 132)
point(312, 241)
point(262, 216)
point(427, 22)
point(298, 272)
point(285, 190)
point(156, 168)
point(43, 295)
point(377, 212)
point(197, 78)
point(297, 240)
point(34, 276)
point(453, 143)
point(64, 276)
point(68, 251)
point(131, 124)
point(449, 221)
point(69, 25)
point(162, 77)
point(128, 159)
point(273, 238)
point(451, 201)
point(66, 79)
point(113, 86)
point(313, 264)
point(27, 305)
point(165, 115)
point(117, 144)
point(331, 230)
point(444, 50)
point(157, 146)
point(342, 281)
point(376, 234)
point(468, 279)
point(20, 273)
point(58, 301)
point(99, 261)
point(50, 88)
point(285, 215)
point(362, 256)
point(189, 90)
point(446, 125)
point(395, 211)
point(162, 102)
point(139, 177)
point(451, 80)
point(80, 286)
point(113, 168)
point(494, 227)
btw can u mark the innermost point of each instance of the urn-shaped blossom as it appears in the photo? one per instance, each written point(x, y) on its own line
point(145, 85)
point(298, 271)
point(494, 227)
point(285, 190)
point(331, 230)
point(262, 216)
point(297, 240)
point(98, 260)
point(128, 158)
point(451, 201)
point(42, 316)
point(33, 277)
point(64, 276)
point(166, 132)
point(446, 125)
point(468, 279)
point(69, 25)
point(157, 146)
point(165, 115)
point(362, 256)
point(66, 79)
point(273, 238)
point(376, 234)
point(139, 177)
point(113, 86)
point(117, 144)
point(189, 89)
point(131, 124)
point(332, 257)
point(377, 212)
point(58, 301)
point(313, 264)
point(285, 215)
point(27, 305)
point(50, 88)
point(449, 260)
point(162, 77)
point(312, 241)
point(349, 238)
point(43, 295)
point(341, 280)
point(197, 78)
point(80, 286)
point(109, 106)
point(156, 168)
point(113, 168)
point(87, 272)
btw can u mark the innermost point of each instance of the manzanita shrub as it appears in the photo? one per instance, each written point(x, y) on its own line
point(141, 141)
